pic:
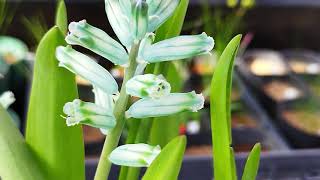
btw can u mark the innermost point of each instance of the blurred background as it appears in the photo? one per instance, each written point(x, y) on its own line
point(276, 84)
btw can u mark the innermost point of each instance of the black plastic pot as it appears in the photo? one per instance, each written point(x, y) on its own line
point(256, 83)
point(296, 137)
point(280, 165)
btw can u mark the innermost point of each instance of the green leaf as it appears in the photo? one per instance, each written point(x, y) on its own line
point(220, 111)
point(168, 163)
point(233, 163)
point(17, 160)
point(59, 147)
point(61, 17)
point(252, 164)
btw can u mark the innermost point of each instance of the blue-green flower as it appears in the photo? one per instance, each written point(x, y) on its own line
point(83, 34)
point(6, 99)
point(180, 47)
point(148, 85)
point(134, 155)
point(166, 105)
point(87, 68)
point(79, 112)
point(140, 19)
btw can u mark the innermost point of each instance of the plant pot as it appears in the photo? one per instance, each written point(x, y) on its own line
point(300, 124)
point(277, 165)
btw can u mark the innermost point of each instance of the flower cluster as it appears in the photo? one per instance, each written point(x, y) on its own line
point(134, 22)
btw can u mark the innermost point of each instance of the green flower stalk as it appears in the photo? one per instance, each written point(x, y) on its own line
point(133, 21)
point(134, 155)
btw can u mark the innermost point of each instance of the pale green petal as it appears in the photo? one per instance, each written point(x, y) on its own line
point(85, 35)
point(145, 44)
point(166, 105)
point(103, 99)
point(119, 20)
point(180, 47)
point(160, 11)
point(87, 68)
point(79, 112)
point(140, 19)
point(6, 99)
point(134, 155)
point(148, 85)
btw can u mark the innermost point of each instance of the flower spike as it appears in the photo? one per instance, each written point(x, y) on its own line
point(85, 67)
point(180, 47)
point(148, 85)
point(85, 35)
point(134, 155)
point(160, 11)
point(79, 112)
point(166, 105)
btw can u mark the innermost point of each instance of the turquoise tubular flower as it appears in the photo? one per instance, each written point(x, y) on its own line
point(79, 112)
point(6, 99)
point(103, 99)
point(166, 105)
point(85, 35)
point(145, 44)
point(134, 155)
point(118, 16)
point(148, 85)
point(159, 12)
point(180, 47)
point(140, 19)
point(87, 68)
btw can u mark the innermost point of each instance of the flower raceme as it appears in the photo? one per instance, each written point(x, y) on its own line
point(133, 22)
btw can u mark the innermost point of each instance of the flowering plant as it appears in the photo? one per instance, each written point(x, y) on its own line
point(54, 143)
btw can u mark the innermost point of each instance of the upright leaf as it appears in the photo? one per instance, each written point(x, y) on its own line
point(61, 17)
point(168, 163)
point(59, 147)
point(17, 161)
point(252, 164)
point(220, 111)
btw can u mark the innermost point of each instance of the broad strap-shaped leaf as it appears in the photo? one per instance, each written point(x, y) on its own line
point(180, 47)
point(166, 105)
point(87, 68)
point(159, 12)
point(17, 160)
point(220, 111)
point(117, 12)
point(59, 147)
point(252, 165)
point(168, 163)
point(61, 17)
point(83, 34)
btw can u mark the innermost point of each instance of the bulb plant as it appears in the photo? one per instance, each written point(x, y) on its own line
point(110, 112)
point(54, 146)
